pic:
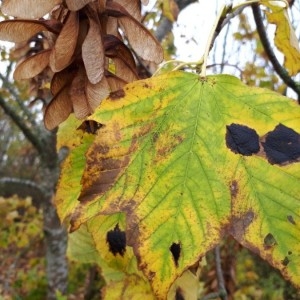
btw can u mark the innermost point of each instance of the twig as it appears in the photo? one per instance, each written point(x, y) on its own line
point(222, 289)
point(212, 36)
point(222, 293)
point(282, 72)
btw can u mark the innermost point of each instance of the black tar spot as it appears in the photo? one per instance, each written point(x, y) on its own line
point(291, 219)
point(116, 240)
point(175, 250)
point(241, 139)
point(90, 126)
point(285, 262)
point(178, 295)
point(282, 145)
point(269, 241)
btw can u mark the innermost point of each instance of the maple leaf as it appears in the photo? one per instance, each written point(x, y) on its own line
point(189, 160)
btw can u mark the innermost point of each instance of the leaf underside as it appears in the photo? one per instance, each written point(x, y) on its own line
point(189, 160)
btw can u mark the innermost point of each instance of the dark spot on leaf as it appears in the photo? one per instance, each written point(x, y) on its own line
point(282, 145)
point(146, 85)
point(175, 250)
point(269, 241)
point(117, 94)
point(241, 139)
point(179, 294)
point(233, 188)
point(291, 219)
point(241, 223)
point(290, 252)
point(154, 137)
point(116, 240)
point(285, 262)
point(90, 126)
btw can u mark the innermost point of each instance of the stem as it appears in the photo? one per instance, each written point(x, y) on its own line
point(221, 293)
point(222, 289)
point(211, 38)
point(281, 71)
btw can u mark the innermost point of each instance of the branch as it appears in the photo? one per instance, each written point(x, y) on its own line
point(10, 186)
point(21, 123)
point(7, 85)
point(282, 72)
point(222, 293)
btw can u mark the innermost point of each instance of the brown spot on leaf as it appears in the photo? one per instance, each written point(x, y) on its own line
point(166, 146)
point(146, 85)
point(154, 137)
point(269, 241)
point(179, 294)
point(116, 240)
point(234, 189)
point(175, 250)
point(240, 224)
point(90, 126)
point(285, 261)
point(291, 219)
point(117, 95)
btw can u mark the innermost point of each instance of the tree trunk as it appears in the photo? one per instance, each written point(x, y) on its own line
point(56, 246)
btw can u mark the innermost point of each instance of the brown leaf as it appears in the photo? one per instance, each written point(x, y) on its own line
point(20, 50)
point(65, 44)
point(115, 82)
point(77, 4)
point(112, 27)
point(32, 66)
point(133, 7)
point(18, 31)
point(93, 52)
point(78, 97)
point(122, 57)
point(141, 40)
point(97, 92)
point(58, 109)
point(61, 79)
point(29, 9)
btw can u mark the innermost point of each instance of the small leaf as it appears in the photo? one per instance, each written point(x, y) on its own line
point(170, 10)
point(61, 79)
point(133, 7)
point(285, 38)
point(32, 66)
point(78, 96)
point(125, 66)
point(93, 52)
point(187, 286)
point(95, 93)
point(142, 41)
point(77, 143)
point(109, 237)
point(65, 44)
point(18, 31)
point(75, 5)
point(29, 9)
point(58, 110)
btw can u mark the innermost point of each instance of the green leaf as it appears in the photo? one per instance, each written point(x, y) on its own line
point(92, 243)
point(76, 141)
point(191, 159)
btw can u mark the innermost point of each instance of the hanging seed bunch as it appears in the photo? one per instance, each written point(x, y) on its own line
point(85, 45)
